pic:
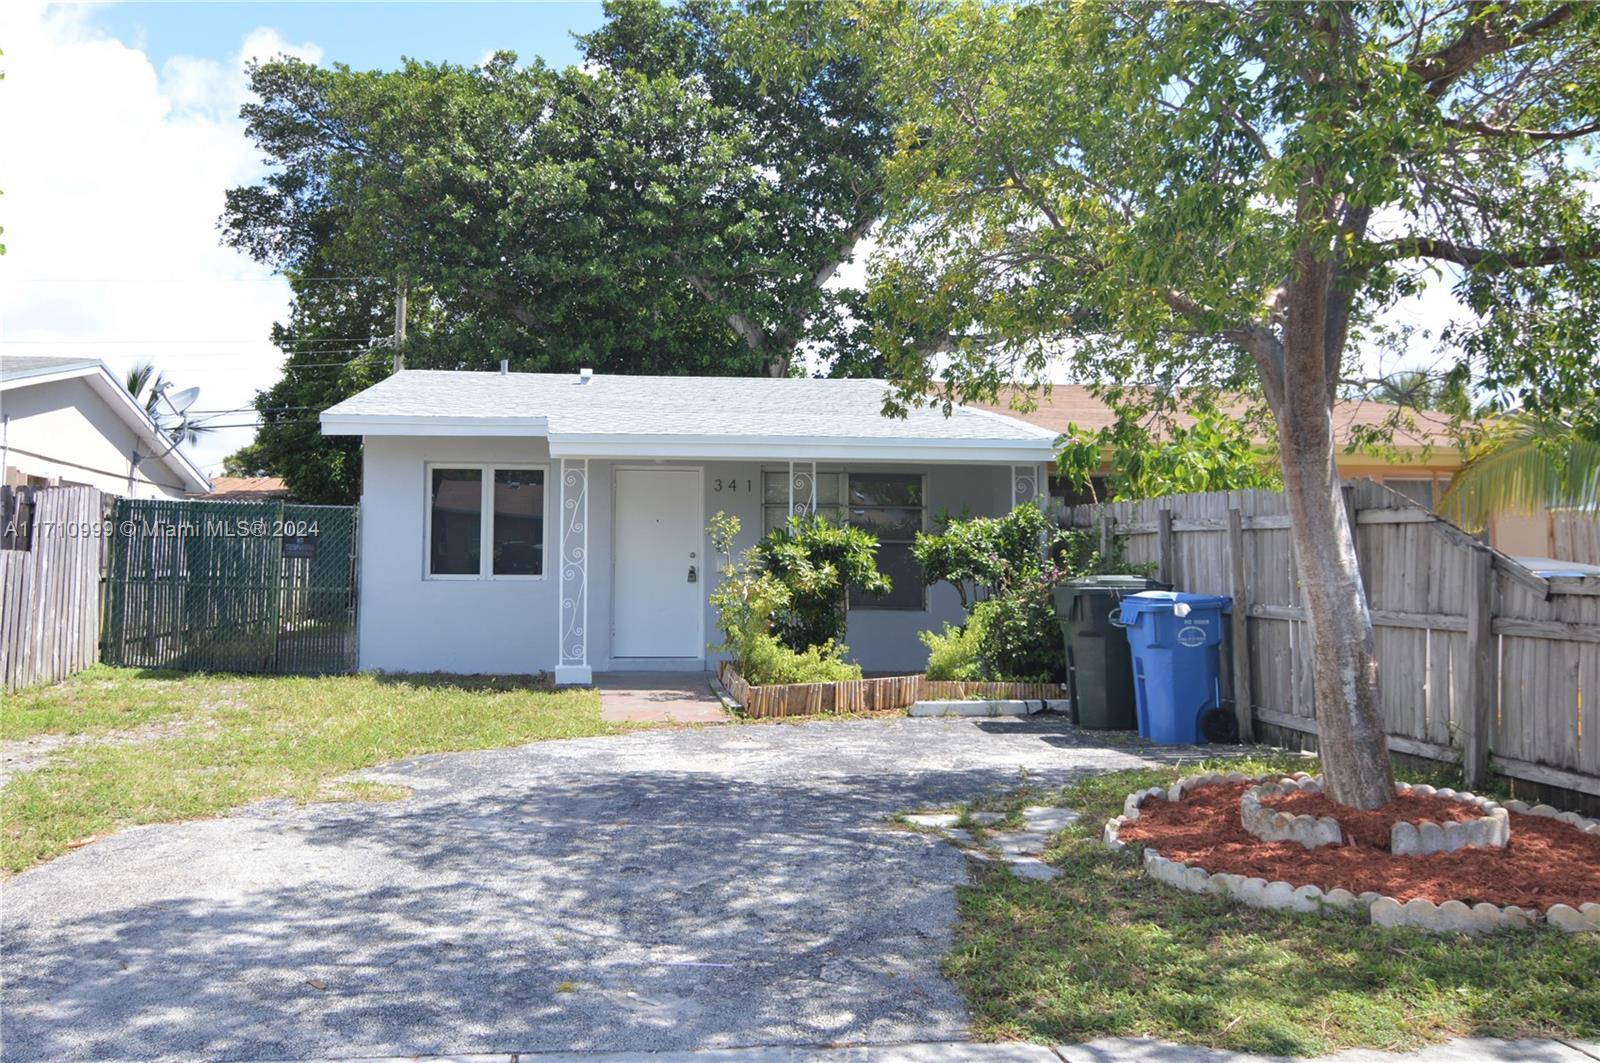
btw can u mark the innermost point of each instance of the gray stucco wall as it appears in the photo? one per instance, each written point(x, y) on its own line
point(411, 623)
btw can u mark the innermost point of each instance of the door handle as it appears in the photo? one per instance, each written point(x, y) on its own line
point(692, 576)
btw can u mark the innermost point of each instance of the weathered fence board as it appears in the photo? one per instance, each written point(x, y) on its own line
point(1481, 662)
point(50, 590)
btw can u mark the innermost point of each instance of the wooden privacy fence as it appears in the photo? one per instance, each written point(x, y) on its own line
point(867, 695)
point(50, 562)
point(1481, 663)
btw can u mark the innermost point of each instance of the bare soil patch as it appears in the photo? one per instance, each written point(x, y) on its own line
point(1548, 862)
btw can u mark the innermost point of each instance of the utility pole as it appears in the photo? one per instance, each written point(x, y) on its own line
point(399, 328)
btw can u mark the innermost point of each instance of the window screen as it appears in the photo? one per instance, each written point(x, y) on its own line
point(890, 506)
point(518, 543)
point(456, 514)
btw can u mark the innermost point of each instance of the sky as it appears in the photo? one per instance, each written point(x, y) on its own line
point(122, 135)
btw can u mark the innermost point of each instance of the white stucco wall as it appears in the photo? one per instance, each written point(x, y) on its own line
point(64, 432)
point(411, 623)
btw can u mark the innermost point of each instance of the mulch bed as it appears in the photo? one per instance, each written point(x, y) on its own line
point(1372, 828)
point(1548, 862)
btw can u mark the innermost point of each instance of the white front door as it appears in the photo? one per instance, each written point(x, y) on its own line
point(656, 517)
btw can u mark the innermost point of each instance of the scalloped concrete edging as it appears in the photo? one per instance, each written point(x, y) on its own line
point(1492, 830)
point(1274, 826)
point(1451, 916)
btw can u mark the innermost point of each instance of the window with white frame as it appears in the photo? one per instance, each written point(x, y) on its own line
point(889, 505)
point(485, 521)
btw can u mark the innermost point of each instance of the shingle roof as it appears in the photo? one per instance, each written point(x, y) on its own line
point(246, 488)
point(661, 406)
point(1069, 404)
point(19, 366)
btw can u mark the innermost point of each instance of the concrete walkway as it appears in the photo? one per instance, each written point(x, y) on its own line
point(658, 697)
point(1108, 1050)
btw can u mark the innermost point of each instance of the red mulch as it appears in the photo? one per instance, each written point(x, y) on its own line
point(1372, 828)
point(1548, 862)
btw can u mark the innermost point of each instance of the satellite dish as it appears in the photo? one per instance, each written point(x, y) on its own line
point(183, 399)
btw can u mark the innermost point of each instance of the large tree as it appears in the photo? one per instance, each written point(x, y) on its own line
point(667, 208)
point(664, 208)
point(1213, 195)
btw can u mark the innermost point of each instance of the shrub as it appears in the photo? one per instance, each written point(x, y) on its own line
point(817, 562)
point(953, 655)
point(980, 556)
point(748, 601)
point(1019, 638)
point(768, 660)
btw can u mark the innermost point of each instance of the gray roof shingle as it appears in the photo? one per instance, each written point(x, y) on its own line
point(724, 407)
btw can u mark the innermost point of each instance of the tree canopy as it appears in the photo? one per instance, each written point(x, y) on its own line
point(665, 208)
point(1207, 197)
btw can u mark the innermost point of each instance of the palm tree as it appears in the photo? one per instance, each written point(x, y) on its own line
point(1538, 464)
point(146, 384)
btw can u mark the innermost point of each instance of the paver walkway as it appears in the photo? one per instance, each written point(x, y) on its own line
point(659, 697)
point(663, 890)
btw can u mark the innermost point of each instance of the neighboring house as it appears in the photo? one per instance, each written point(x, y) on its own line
point(1418, 462)
point(1424, 455)
point(69, 421)
point(246, 489)
point(518, 522)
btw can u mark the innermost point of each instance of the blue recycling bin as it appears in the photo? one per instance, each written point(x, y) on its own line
point(1174, 638)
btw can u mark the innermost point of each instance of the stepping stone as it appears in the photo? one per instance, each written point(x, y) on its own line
point(959, 836)
point(986, 818)
point(1021, 843)
point(1028, 867)
point(939, 820)
point(1047, 819)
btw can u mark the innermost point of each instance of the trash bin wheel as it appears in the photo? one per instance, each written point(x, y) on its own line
point(1220, 727)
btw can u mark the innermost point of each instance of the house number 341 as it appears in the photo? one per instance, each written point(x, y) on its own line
point(731, 484)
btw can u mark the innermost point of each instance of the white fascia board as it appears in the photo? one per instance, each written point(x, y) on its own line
point(372, 424)
point(971, 451)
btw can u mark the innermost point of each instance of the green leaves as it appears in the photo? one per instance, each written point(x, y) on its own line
point(1122, 190)
point(817, 562)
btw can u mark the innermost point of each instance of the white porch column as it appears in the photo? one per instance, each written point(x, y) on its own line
point(1026, 485)
point(572, 628)
point(802, 488)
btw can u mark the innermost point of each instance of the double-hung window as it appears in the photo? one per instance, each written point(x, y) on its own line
point(889, 505)
point(485, 521)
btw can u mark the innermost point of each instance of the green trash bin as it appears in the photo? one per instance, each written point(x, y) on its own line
point(1099, 668)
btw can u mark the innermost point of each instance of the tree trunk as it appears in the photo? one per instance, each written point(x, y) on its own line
point(1351, 742)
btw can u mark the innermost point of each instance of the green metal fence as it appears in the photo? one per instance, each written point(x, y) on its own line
point(231, 587)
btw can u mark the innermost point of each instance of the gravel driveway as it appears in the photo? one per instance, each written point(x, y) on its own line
point(724, 886)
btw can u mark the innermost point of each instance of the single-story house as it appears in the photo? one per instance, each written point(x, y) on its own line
point(521, 522)
point(70, 422)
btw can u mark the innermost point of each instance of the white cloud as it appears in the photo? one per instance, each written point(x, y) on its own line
point(114, 176)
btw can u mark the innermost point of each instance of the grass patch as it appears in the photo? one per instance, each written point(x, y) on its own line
point(244, 738)
point(1105, 951)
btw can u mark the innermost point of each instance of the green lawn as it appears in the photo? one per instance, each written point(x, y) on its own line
point(170, 746)
point(1104, 951)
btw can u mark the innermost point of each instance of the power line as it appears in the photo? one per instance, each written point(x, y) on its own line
point(190, 280)
point(318, 339)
